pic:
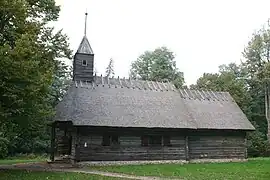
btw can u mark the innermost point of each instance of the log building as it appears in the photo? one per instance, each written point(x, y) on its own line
point(112, 119)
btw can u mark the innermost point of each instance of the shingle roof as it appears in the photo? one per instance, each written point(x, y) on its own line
point(85, 47)
point(214, 110)
point(136, 103)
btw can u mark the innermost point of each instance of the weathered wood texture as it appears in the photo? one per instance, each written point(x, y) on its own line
point(52, 150)
point(217, 146)
point(73, 145)
point(129, 148)
point(185, 145)
point(83, 73)
point(63, 139)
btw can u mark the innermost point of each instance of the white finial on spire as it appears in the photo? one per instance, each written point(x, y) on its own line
point(85, 23)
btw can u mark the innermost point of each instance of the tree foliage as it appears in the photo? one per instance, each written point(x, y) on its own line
point(157, 65)
point(29, 72)
point(33, 77)
point(246, 83)
point(229, 79)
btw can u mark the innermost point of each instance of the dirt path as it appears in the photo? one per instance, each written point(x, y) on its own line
point(62, 168)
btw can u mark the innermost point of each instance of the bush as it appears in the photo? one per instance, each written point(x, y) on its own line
point(257, 145)
point(3, 147)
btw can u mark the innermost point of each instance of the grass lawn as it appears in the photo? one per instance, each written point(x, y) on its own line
point(255, 169)
point(15, 160)
point(26, 175)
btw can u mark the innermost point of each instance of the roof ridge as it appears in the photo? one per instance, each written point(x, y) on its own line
point(117, 82)
point(204, 94)
point(185, 93)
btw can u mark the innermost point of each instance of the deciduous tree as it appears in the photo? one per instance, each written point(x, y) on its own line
point(29, 70)
point(157, 65)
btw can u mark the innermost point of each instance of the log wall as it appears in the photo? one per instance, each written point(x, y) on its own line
point(185, 145)
point(217, 146)
point(84, 73)
point(129, 148)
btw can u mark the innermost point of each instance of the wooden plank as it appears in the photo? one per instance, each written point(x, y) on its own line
point(186, 148)
point(52, 142)
point(216, 147)
point(129, 149)
point(77, 146)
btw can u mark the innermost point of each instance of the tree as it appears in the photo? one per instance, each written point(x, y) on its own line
point(232, 78)
point(256, 56)
point(229, 79)
point(29, 69)
point(110, 68)
point(157, 65)
point(248, 83)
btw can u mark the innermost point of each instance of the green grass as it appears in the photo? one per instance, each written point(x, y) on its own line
point(24, 158)
point(16, 160)
point(28, 175)
point(254, 169)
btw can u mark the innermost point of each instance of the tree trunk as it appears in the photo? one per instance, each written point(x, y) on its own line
point(267, 109)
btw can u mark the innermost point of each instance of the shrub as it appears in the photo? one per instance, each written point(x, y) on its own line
point(3, 147)
point(257, 145)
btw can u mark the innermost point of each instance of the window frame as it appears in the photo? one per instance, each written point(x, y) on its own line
point(114, 140)
point(84, 64)
point(167, 141)
point(109, 140)
point(106, 140)
point(156, 141)
point(145, 141)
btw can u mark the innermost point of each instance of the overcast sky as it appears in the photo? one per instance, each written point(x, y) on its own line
point(202, 33)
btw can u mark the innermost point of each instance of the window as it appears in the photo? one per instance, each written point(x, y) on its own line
point(115, 140)
point(110, 140)
point(155, 140)
point(166, 141)
point(151, 140)
point(84, 62)
point(106, 141)
point(144, 141)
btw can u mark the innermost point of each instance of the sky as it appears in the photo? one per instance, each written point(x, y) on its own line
point(203, 34)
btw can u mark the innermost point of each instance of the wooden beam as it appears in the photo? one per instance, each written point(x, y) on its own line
point(186, 148)
point(246, 146)
point(52, 141)
point(77, 145)
point(102, 80)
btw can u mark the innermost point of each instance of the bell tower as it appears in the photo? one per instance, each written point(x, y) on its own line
point(83, 63)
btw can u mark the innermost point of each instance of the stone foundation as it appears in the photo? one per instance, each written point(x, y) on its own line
point(113, 163)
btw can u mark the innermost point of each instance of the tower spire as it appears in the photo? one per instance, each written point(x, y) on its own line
point(85, 23)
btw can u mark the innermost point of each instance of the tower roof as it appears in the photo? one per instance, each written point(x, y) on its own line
point(85, 46)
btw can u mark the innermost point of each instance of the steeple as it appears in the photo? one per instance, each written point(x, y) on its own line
point(85, 46)
point(83, 64)
point(85, 23)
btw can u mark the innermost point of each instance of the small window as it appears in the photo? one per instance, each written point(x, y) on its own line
point(106, 141)
point(84, 62)
point(110, 140)
point(151, 140)
point(115, 140)
point(155, 140)
point(166, 141)
point(144, 141)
